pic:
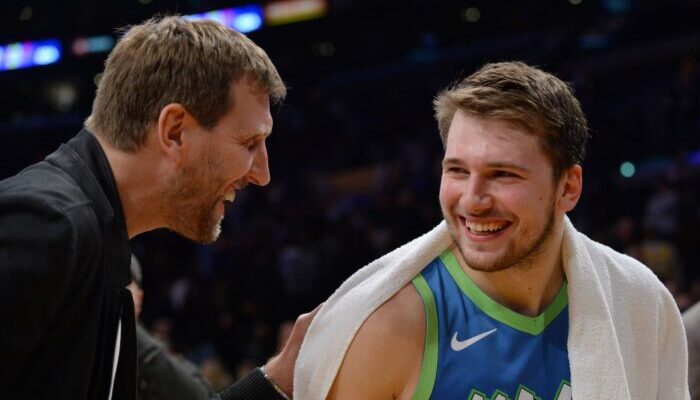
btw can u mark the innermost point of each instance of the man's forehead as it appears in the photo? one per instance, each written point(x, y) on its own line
point(492, 143)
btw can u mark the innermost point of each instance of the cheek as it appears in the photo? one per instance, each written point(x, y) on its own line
point(530, 204)
point(240, 167)
point(449, 193)
point(239, 161)
point(517, 199)
point(230, 164)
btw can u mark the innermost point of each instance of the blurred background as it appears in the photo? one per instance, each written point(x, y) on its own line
point(355, 155)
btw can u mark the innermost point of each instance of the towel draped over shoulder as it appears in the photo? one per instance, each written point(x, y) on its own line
point(626, 339)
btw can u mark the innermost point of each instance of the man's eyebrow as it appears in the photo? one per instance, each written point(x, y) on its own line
point(497, 164)
point(500, 164)
point(451, 160)
point(259, 135)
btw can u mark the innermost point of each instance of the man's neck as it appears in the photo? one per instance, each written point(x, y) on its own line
point(525, 289)
point(135, 175)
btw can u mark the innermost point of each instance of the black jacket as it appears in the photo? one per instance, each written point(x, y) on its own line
point(64, 268)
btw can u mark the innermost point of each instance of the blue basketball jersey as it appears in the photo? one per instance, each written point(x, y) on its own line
point(477, 349)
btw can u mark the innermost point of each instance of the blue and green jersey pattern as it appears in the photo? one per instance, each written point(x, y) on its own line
point(477, 349)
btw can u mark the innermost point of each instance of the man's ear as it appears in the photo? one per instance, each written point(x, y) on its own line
point(572, 183)
point(171, 124)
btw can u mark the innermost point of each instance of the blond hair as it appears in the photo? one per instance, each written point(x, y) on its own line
point(530, 98)
point(172, 60)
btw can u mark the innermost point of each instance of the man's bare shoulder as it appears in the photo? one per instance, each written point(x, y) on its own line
point(384, 359)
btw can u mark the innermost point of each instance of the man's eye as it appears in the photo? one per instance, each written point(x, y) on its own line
point(504, 174)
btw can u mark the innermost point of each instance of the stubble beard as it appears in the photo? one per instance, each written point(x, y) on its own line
point(521, 258)
point(190, 202)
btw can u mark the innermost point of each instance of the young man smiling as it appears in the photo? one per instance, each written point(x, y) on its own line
point(517, 305)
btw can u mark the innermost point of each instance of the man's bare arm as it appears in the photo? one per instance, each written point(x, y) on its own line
point(384, 360)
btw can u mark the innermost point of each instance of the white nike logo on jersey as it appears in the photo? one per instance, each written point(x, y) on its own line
point(461, 345)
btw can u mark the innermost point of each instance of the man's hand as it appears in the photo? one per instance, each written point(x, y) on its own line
point(280, 368)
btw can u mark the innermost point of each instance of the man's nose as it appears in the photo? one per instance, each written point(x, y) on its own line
point(259, 173)
point(476, 198)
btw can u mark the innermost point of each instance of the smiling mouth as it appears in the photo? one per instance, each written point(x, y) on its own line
point(487, 228)
point(231, 196)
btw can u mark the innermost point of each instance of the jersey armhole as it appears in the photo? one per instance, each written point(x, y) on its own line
point(428, 372)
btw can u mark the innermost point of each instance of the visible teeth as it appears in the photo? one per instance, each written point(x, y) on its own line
point(230, 197)
point(490, 227)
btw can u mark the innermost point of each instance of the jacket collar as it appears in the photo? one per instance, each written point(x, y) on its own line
point(85, 161)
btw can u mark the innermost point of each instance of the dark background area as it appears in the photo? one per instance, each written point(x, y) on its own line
point(355, 151)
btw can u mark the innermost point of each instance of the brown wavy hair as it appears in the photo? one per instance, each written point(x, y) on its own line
point(173, 60)
point(534, 100)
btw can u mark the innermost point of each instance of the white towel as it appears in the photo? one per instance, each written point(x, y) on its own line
point(626, 338)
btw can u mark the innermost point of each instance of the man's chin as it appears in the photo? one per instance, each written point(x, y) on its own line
point(487, 265)
point(211, 237)
point(205, 235)
point(483, 261)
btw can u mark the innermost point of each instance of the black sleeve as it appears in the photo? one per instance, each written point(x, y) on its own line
point(165, 376)
point(253, 387)
point(36, 263)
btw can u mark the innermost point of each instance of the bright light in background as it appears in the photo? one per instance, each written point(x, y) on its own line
point(95, 44)
point(243, 19)
point(29, 54)
point(627, 169)
point(14, 56)
point(247, 22)
point(45, 55)
point(220, 16)
point(290, 11)
point(575, 2)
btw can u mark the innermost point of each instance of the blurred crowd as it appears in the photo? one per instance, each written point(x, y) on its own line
point(355, 161)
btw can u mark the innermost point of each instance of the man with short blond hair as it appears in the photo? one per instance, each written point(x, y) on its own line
point(178, 127)
point(504, 300)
